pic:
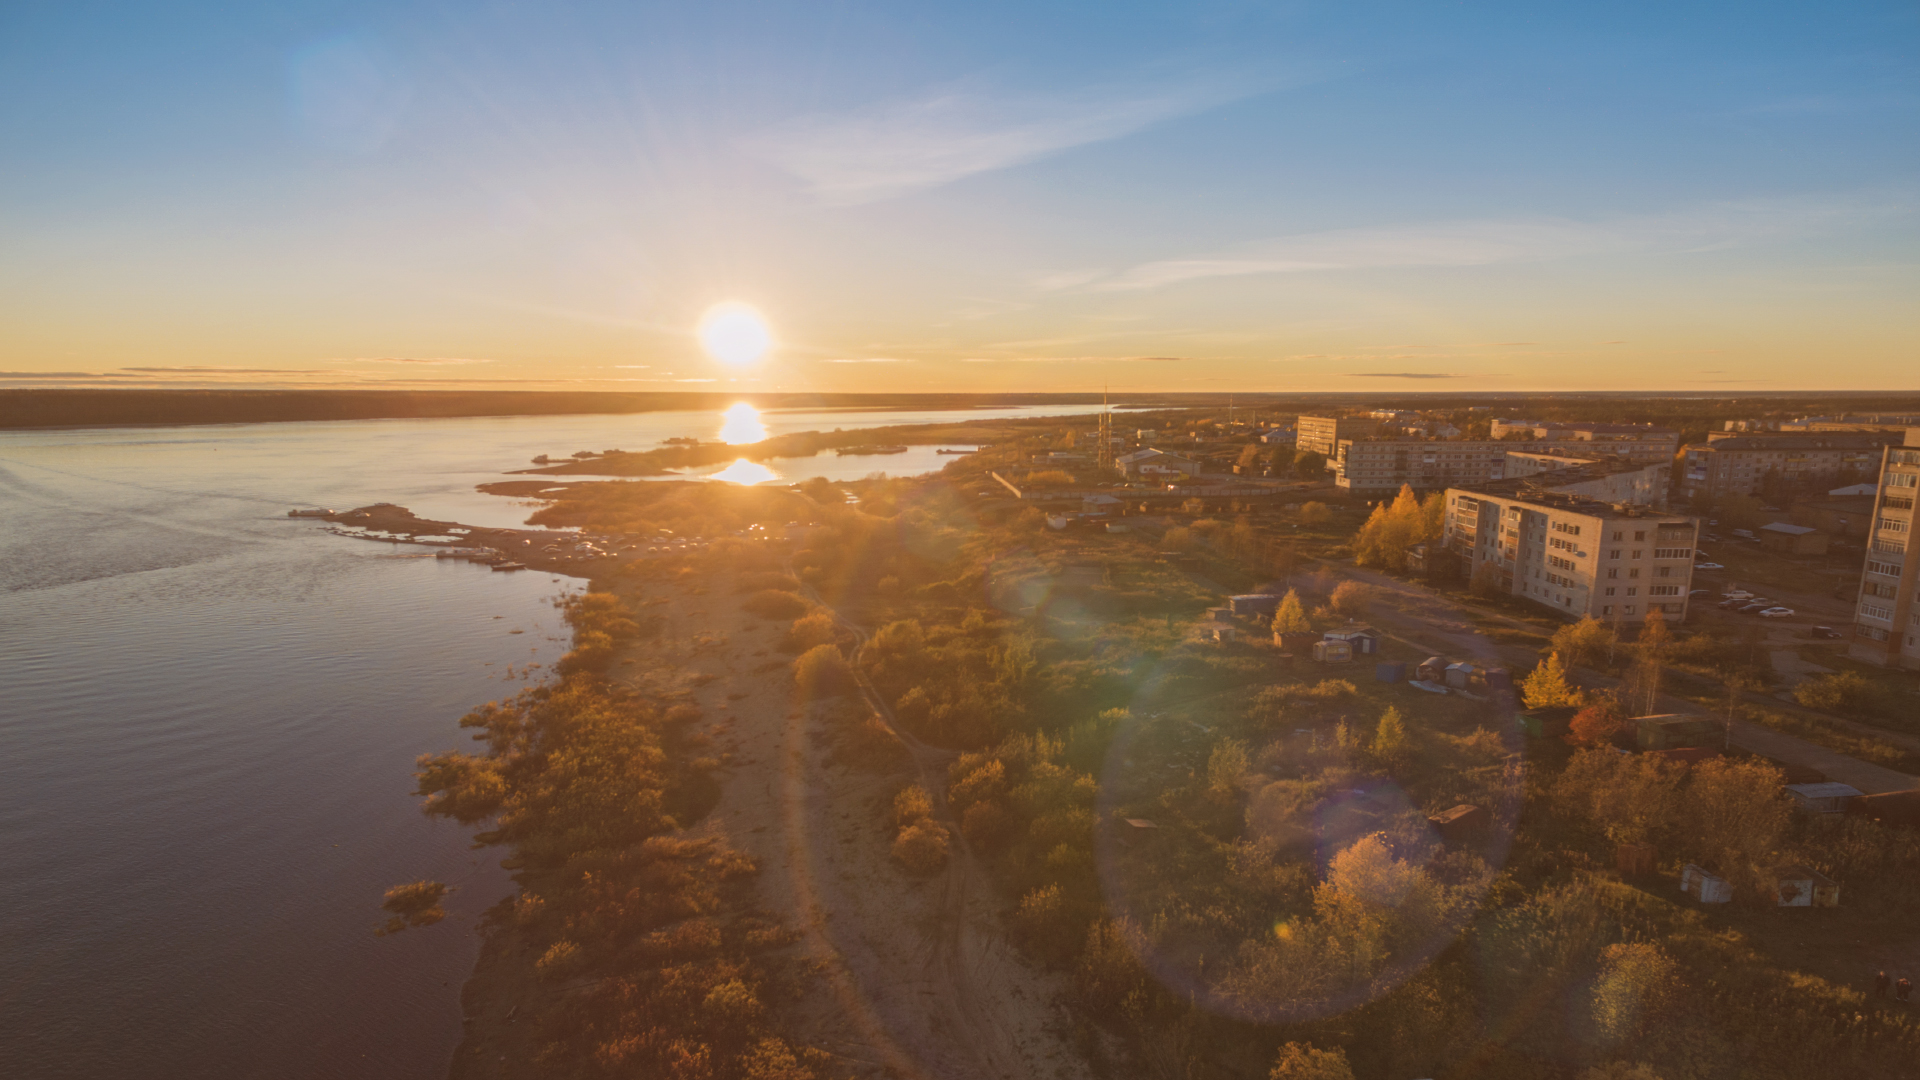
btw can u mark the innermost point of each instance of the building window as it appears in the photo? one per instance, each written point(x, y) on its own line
point(1637, 552)
point(1635, 572)
point(1633, 590)
point(1614, 554)
point(1629, 609)
point(1613, 572)
point(1640, 534)
point(1875, 611)
point(1665, 571)
point(1609, 590)
point(1608, 610)
point(1618, 535)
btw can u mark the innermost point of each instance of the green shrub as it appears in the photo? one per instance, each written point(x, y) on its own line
point(776, 604)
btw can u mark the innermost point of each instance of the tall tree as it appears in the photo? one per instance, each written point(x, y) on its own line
point(1548, 687)
point(1291, 617)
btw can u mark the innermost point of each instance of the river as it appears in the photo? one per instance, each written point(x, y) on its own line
point(208, 718)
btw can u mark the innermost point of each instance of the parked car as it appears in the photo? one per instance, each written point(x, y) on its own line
point(1708, 566)
point(1698, 592)
point(1712, 536)
point(1776, 613)
point(1826, 633)
point(1752, 609)
point(1743, 534)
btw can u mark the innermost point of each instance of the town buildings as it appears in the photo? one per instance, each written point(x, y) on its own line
point(1151, 464)
point(1381, 466)
point(1886, 627)
point(1578, 556)
point(1636, 442)
point(1322, 434)
point(1733, 464)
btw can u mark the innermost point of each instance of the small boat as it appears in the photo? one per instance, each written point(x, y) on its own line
point(1429, 687)
point(319, 513)
point(509, 566)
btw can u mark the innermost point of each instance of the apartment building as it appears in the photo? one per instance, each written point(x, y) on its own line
point(1886, 626)
point(1574, 555)
point(1609, 480)
point(1322, 434)
point(1635, 442)
point(1733, 464)
point(1380, 466)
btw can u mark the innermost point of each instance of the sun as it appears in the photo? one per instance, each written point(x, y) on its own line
point(735, 334)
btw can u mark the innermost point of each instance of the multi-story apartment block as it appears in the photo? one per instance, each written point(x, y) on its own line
point(1732, 464)
point(1574, 555)
point(1322, 434)
point(1886, 626)
point(1635, 442)
point(1609, 480)
point(1382, 465)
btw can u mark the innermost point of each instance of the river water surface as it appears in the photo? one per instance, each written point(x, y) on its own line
point(208, 718)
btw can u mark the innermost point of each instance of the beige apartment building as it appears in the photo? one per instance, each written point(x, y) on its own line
point(1734, 464)
point(1574, 555)
point(1382, 465)
point(1886, 626)
point(1322, 434)
point(1635, 442)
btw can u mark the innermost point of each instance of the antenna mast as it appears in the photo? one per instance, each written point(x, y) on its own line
point(1105, 453)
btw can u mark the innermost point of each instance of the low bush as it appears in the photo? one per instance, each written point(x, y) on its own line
point(821, 672)
point(762, 580)
point(922, 847)
point(809, 631)
point(776, 604)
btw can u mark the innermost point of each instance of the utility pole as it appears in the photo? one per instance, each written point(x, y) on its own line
point(1104, 455)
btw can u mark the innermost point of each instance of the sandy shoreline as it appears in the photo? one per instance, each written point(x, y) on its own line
point(908, 976)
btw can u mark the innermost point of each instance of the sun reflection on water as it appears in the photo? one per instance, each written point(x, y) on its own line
point(743, 471)
point(741, 424)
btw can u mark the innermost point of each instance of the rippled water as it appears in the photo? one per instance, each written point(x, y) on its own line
point(208, 718)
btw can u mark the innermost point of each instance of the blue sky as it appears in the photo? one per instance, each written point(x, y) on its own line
point(981, 196)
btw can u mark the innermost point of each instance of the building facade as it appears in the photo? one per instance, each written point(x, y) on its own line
point(1742, 464)
point(1635, 442)
point(1886, 628)
point(1322, 434)
point(1574, 555)
point(1382, 465)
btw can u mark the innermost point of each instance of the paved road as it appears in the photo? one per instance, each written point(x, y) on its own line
point(1418, 616)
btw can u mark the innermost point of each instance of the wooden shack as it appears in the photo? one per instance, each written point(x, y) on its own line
point(1390, 671)
point(1462, 824)
point(1827, 798)
point(1333, 652)
point(1364, 639)
point(1803, 886)
point(1550, 722)
point(1704, 885)
point(1634, 860)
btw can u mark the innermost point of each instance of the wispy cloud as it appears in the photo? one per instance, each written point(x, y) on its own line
point(1423, 375)
point(231, 371)
point(960, 130)
point(871, 360)
point(429, 360)
point(1489, 241)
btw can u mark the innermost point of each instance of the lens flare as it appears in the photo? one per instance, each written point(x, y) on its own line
point(741, 424)
point(745, 472)
point(735, 334)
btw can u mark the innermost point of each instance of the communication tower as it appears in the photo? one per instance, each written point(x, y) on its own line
point(1104, 455)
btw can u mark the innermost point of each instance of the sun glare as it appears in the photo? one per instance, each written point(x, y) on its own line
point(735, 334)
point(743, 471)
point(741, 424)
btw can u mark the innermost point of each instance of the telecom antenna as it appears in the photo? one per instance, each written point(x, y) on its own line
point(1105, 453)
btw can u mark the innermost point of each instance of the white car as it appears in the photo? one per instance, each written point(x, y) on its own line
point(1775, 613)
point(1708, 566)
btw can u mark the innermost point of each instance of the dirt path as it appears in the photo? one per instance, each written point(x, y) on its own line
point(916, 978)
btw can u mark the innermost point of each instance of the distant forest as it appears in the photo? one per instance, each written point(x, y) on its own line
point(115, 408)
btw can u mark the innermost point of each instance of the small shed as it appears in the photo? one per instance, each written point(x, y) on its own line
point(1803, 886)
point(1705, 886)
point(1634, 860)
point(1364, 639)
point(1786, 539)
point(1333, 652)
point(1889, 808)
point(1432, 669)
point(1828, 798)
point(1220, 614)
point(1460, 824)
point(1254, 604)
point(1390, 671)
point(1671, 731)
point(1549, 722)
point(1221, 632)
point(1459, 675)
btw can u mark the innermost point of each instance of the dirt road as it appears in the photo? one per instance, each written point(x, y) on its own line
point(917, 978)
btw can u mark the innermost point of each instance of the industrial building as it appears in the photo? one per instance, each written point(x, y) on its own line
point(1578, 556)
point(1886, 630)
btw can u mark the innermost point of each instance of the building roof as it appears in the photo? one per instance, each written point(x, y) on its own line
point(1787, 530)
point(1829, 790)
point(1854, 489)
point(1797, 440)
